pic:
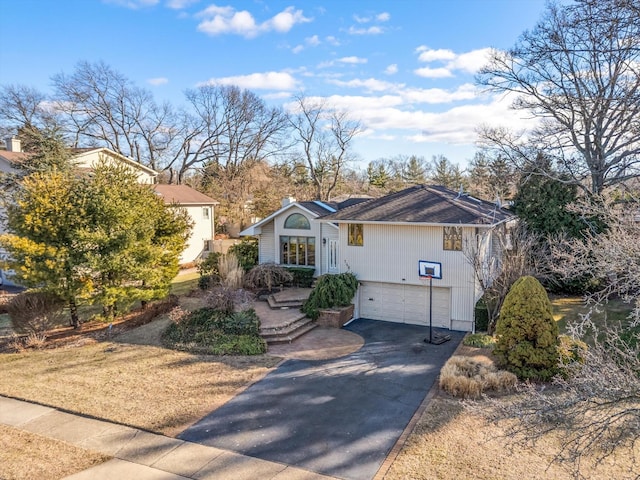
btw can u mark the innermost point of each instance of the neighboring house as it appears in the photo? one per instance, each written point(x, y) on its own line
point(291, 237)
point(88, 158)
point(382, 241)
point(199, 206)
point(201, 209)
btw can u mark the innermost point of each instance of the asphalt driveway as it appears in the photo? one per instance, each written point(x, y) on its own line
point(338, 417)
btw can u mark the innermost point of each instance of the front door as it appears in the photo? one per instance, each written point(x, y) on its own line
point(333, 256)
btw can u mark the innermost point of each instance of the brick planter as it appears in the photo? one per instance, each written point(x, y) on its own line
point(335, 317)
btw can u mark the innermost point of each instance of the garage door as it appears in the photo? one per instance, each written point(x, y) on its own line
point(404, 303)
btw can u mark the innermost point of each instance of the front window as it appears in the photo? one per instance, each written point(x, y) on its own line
point(356, 234)
point(298, 251)
point(452, 238)
point(205, 213)
point(297, 221)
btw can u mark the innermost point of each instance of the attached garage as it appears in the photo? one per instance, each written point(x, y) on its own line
point(402, 303)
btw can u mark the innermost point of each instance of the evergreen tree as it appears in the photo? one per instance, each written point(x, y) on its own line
point(102, 237)
point(527, 334)
point(414, 171)
point(542, 200)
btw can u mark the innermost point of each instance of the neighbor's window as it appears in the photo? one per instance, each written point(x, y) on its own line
point(297, 250)
point(205, 213)
point(452, 239)
point(297, 220)
point(356, 234)
point(207, 246)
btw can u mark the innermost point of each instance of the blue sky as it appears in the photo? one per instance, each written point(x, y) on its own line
point(404, 68)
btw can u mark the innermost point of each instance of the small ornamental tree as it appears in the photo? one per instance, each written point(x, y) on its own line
point(527, 334)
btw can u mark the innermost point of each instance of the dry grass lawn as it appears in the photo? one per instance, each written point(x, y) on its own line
point(450, 442)
point(25, 456)
point(143, 386)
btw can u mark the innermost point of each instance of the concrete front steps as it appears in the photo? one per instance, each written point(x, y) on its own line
point(280, 316)
point(287, 332)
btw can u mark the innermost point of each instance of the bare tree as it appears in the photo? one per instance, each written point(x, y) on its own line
point(577, 72)
point(499, 258)
point(229, 130)
point(103, 107)
point(25, 107)
point(325, 136)
point(595, 404)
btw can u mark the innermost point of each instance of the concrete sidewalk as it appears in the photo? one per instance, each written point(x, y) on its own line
point(142, 455)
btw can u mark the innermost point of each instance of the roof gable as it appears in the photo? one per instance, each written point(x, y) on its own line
point(427, 204)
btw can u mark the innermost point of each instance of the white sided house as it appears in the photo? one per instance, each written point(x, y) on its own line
point(382, 241)
point(291, 237)
point(200, 208)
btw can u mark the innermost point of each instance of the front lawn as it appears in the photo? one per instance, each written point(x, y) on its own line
point(571, 309)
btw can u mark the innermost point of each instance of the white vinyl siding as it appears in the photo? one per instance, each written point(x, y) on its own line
point(390, 254)
point(267, 245)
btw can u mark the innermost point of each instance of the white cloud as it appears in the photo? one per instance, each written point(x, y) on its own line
point(380, 17)
point(394, 116)
point(180, 4)
point(466, 91)
point(332, 41)
point(158, 81)
point(372, 30)
point(471, 61)
point(429, 55)
point(352, 60)
point(391, 69)
point(228, 20)
point(383, 17)
point(133, 4)
point(297, 48)
point(277, 95)
point(433, 72)
point(257, 81)
point(313, 41)
point(370, 84)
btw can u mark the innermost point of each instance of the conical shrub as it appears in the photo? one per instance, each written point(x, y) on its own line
point(527, 334)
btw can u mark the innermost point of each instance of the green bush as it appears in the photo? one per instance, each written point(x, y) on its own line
point(302, 276)
point(247, 253)
point(479, 340)
point(208, 270)
point(330, 291)
point(481, 316)
point(527, 335)
point(217, 333)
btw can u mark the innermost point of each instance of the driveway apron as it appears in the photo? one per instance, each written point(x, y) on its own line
point(337, 417)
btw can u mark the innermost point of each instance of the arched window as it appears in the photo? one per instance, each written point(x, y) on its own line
point(298, 221)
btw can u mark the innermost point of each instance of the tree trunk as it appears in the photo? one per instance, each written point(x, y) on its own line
point(73, 309)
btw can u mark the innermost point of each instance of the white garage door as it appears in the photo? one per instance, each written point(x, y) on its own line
point(405, 303)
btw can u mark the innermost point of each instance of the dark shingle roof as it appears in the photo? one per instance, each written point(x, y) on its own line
point(432, 204)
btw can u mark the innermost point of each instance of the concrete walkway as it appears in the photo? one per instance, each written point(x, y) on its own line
point(142, 455)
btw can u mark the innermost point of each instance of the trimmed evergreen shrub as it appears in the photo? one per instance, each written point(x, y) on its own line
point(481, 316)
point(527, 335)
point(330, 291)
point(302, 276)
